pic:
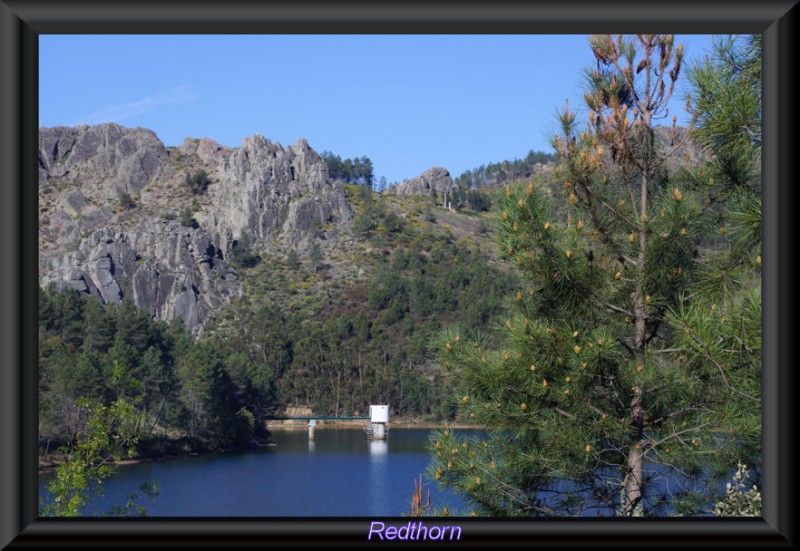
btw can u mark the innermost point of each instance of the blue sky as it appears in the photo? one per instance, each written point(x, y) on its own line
point(408, 102)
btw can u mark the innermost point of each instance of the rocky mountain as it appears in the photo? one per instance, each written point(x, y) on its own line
point(267, 193)
point(168, 269)
point(437, 179)
point(117, 218)
point(108, 159)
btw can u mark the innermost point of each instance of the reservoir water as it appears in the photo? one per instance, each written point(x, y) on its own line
point(340, 473)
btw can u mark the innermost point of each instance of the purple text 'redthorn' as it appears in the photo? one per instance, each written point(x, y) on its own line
point(413, 531)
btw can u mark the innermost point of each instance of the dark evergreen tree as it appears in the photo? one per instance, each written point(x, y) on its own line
point(100, 327)
point(292, 260)
point(358, 170)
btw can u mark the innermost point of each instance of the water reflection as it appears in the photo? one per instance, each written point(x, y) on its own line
point(378, 447)
point(378, 463)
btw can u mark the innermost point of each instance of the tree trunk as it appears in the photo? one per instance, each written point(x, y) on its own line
point(633, 481)
point(158, 415)
point(338, 385)
point(632, 496)
point(640, 292)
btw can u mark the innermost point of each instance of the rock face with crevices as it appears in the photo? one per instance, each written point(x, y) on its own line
point(434, 179)
point(108, 158)
point(112, 214)
point(170, 270)
point(276, 196)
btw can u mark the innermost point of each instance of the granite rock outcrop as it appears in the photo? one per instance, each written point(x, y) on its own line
point(112, 202)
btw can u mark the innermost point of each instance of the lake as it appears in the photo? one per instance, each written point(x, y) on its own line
point(339, 473)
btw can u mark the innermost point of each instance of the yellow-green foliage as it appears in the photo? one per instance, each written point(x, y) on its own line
point(109, 434)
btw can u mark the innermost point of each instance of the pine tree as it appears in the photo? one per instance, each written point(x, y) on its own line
point(593, 404)
point(720, 329)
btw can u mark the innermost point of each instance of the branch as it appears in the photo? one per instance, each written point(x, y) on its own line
point(617, 213)
point(701, 348)
point(653, 333)
point(669, 416)
point(677, 434)
point(564, 413)
point(618, 309)
point(627, 347)
point(591, 203)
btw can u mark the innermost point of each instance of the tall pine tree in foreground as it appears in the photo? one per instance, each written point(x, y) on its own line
point(624, 386)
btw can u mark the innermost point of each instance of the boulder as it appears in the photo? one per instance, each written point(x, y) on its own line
point(437, 179)
point(108, 156)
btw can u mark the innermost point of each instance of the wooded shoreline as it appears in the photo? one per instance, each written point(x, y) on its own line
point(405, 424)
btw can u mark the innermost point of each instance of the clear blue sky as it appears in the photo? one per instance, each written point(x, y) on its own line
point(408, 102)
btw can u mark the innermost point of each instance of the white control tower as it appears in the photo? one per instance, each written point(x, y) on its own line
point(379, 418)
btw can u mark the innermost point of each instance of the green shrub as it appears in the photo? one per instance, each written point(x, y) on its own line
point(126, 201)
point(243, 256)
point(292, 260)
point(198, 182)
point(187, 218)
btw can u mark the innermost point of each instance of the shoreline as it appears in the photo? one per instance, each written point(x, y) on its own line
point(350, 425)
point(405, 425)
point(49, 468)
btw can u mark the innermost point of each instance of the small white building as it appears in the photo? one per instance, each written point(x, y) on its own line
point(379, 418)
point(379, 414)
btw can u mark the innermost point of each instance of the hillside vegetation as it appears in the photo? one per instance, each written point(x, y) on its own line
point(336, 326)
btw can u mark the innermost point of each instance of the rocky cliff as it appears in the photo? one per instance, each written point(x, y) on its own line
point(113, 220)
point(276, 196)
point(108, 159)
point(437, 179)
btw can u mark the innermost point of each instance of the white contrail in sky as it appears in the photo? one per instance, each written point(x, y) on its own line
point(115, 113)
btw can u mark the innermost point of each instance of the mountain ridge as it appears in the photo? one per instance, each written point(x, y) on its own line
point(118, 218)
point(111, 198)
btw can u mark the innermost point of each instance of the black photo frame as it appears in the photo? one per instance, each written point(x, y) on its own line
point(21, 21)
